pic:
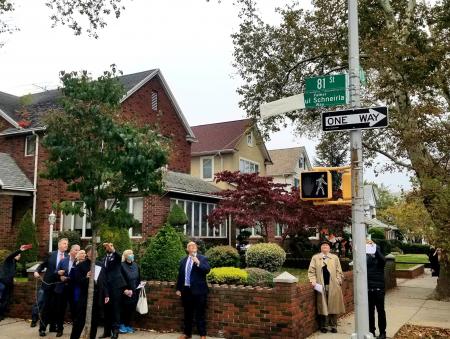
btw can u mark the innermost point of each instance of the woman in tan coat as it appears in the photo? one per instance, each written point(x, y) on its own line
point(325, 275)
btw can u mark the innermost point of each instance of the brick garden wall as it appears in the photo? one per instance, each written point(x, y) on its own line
point(285, 311)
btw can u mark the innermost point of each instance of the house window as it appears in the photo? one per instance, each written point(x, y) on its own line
point(280, 230)
point(207, 168)
point(197, 215)
point(247, 166)
point(135, 206)
point(75, 222)
point(30, 145)
point(296, 182)
point(301, 162)
point(250, 139)
point(154, 100)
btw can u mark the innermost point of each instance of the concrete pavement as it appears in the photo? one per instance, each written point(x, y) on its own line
point(406, 304)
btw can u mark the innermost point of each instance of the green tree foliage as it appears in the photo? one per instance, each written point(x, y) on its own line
point(119, 236)
point(27, 234)
point(405, 47)
point(268, 256)
point(177, 218)
point(223, 256)
point(162, 257)
point(73, 237)
point(333, 150)
point(104, 157)
point(376, 233)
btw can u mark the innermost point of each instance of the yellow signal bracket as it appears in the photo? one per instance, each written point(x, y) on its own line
point(332, 202)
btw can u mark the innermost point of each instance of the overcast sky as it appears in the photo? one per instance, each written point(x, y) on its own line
point(189, 40)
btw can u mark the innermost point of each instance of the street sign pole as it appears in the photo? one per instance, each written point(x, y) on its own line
point(358, 229)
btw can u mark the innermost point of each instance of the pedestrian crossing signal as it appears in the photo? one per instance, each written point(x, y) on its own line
point(316, 185)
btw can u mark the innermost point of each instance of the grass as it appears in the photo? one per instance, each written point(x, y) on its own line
point(20, 279)
point(301, 274)
point(414, 258)
point(404, 266)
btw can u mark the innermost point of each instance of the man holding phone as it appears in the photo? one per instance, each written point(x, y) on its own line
point(193, 290)
point(7, 273)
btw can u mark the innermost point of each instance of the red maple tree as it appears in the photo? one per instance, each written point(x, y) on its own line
point(257, 200)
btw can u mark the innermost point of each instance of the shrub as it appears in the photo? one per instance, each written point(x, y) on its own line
point(268, 256)
point(223, 256)
point(377, 233)
point(259, 277)
point(118, 236)
point(409, 248)
point(3, 255)
point(163, 255)
point(227, 275)
point(385, 245)
point(27, 235)
point(73, 237)
point(177, 218)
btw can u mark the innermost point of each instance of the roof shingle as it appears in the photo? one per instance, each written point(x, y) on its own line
point(285, 160)
point(11, 176)
point(185, 183)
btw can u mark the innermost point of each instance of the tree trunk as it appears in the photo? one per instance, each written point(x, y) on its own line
point(90, 299)
point(443, 283)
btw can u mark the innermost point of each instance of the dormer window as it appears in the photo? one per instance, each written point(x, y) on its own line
point(154, 100)
point(301, 162)
point(250, 139)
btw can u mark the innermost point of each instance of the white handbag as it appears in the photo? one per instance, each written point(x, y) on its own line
point(142, 305)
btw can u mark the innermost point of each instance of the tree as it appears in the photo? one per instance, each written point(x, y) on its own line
point(405, 47)
point(71, 13)
point(177, 218)
point(27, 234)
point(333, 150)
point(104, 157)
point(259, 201)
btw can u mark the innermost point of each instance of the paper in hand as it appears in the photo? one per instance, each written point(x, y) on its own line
point(318, 288)
point(371, 248)
point(97, 272)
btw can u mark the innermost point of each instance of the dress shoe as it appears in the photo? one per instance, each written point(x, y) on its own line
point(323, 330)
point(382, 336)
point(115, 334)
point(52, 329)
point(33, 324)
point(59, 333)
point(333, 330)
point(42, 333)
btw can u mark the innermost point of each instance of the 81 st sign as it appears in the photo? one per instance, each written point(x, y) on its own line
point(329, 90)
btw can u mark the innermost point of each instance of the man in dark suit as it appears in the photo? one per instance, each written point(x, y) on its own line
point(62, 289)
point(115, 284)
point(193, 290)
point(48, 313)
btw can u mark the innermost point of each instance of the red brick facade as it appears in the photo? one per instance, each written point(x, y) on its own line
point(137, 108)
point(285, 311)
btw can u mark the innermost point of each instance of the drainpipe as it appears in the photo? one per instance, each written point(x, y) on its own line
point(36, 157)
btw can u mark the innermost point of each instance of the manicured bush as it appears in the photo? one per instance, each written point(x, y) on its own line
point(177, 218)
point(118, 236)
point(223, 256)
point(259, 277)
point(227, 275)
point(163, 255)
point(385, 245)
point(377, 233)
point(409, 248)
point(268, 256)
point(27, 234)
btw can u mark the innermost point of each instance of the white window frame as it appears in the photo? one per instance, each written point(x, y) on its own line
point(130, 210)
point(153, 94)
point(212, 168)
point(251, 162)
point(26, 145)
point(279, 230)
point(72, 221)
point(250, 142)
point(221, 234)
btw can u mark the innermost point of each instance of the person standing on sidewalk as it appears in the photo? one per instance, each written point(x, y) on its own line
point(375, 284)
point(325, 275)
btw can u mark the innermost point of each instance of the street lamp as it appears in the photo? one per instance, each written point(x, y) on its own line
point(51, 221)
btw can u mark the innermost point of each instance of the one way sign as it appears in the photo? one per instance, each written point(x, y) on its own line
point(361, 118)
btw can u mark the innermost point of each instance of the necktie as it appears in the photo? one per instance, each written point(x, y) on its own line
point(187, 278)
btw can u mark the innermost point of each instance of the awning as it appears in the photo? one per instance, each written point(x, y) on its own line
point(12, 180)
point(187, 184)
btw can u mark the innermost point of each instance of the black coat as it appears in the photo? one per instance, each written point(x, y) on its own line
point(50, 264)
point(113, 272)
point(375, 269)
point(132, 278)
point(199, 285)
point(8, 269)
point(79, 282)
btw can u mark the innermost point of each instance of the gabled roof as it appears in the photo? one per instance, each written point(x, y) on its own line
point(223, 137)
point(11, 176)
point(187, 184)
point(43, 101)
point(285, 161)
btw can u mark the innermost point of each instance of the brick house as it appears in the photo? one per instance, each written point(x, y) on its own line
point(148, 101)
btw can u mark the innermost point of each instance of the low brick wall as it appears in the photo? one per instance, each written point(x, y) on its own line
point(411, 273)
point(286, 311)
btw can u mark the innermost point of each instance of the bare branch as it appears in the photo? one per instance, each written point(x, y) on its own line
point(389, 12)
point(389, 156)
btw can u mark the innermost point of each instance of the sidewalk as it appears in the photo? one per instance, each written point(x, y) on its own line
point(405, 304)
point(20, 329)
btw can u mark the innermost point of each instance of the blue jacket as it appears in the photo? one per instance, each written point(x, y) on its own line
point(199, 285)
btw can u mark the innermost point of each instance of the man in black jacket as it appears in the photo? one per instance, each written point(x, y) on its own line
point(7, 273)
point(115, 284)
point(375, 283)
point(193, 290)
point(51, 278)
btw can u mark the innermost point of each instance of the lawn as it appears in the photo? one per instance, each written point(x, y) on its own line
point(413, 258)
point(403, 266)
point(301, 274)
point(20, 279)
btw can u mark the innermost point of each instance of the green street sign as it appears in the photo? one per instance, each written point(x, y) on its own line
point(329, 90)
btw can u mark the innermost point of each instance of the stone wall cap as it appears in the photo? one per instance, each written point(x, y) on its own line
point(390, 257)
point(285, 277)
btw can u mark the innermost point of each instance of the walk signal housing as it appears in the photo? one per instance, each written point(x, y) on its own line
point(316, 185)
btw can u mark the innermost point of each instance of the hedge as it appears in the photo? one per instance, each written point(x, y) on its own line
point(223, 256)
point(259, 277)
point(227, 275)
point(268, 256)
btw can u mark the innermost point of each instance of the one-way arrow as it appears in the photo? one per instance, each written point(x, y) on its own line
point(363, 118)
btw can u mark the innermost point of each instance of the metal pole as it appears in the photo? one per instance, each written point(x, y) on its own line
point(358, 227)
